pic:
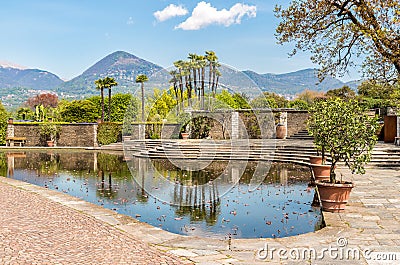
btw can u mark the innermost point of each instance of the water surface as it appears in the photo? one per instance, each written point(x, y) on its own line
point(281, 206)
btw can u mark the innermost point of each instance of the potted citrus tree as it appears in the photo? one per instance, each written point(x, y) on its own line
point(321, 171)
point(50, 132)
point(349, 137)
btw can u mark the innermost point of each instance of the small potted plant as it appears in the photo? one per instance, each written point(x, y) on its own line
point(184, 118)
point(349, 135)
point(50, 133)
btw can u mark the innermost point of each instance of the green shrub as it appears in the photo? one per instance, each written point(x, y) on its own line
point(108, 133)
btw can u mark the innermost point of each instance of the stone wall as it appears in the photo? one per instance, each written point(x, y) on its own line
point(253, 124)
point(296, 121)
point(85, 134)
point(167, 131)
point(74, 134)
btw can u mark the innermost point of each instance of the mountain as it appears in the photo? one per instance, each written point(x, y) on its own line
point(295, 82)
point(123, 66)
point(18, 83)
point(28, 78)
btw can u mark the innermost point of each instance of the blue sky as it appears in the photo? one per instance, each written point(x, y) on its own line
point(66, 37)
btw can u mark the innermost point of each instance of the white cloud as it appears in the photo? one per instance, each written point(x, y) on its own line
point(204, 15)
point(170, 12)
point(130, 21)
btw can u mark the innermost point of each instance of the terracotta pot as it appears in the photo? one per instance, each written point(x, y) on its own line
point(316, 160)
point(50, 143)
point(321, 172)
point(185, 136)
point(334, 197)
point(280, 131)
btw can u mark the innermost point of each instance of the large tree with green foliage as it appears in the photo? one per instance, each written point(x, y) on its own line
point(4, 115)
point(344, 92)
point(335, 31)
point(78, 111)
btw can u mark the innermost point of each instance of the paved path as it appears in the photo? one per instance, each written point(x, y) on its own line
point(39, 225)
point(36, 230)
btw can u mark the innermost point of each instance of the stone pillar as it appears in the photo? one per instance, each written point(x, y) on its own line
point(142, 131)
point(10, 131)
point(235, 125)
point(95, 127)
point(398, 126)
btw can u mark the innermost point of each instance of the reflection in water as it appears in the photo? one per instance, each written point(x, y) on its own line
point(198, 203)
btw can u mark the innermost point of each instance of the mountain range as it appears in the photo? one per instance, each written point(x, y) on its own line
point(124, 67)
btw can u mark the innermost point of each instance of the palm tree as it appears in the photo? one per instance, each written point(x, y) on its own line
point(174, 81)
point(194, 65)
point(186, 71)
point(141, 79)
point(202, 65)
point(212, 63)
point(109, 82)
point(100, 86)
point(179, 65)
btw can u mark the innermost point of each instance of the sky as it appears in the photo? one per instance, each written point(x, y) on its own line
point(66, 37)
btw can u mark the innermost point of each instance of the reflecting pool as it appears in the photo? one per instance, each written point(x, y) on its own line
point(281, 206)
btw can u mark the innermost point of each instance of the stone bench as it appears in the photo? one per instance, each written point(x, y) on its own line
point(13, 141)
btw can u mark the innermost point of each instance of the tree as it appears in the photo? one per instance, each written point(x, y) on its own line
point(309, 96)
point(4, 115)
point(109, 82)
point(48, 100)
point(100, 85)
point(161, 103)
point(78, 111)
point(141, 79)
point(212, 60)
point(344, 92)
point(375, 90)
point(299, 104)
point(335, 31)
point(25, 114)
point(120, 105)
point(226, 100)
point(345, 131)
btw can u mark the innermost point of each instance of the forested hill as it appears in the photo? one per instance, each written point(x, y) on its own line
point(295, 82)
point(16, 85)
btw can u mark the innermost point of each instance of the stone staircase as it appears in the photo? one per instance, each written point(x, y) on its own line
point(254, 150)
point(301, 135)
point(290, 151)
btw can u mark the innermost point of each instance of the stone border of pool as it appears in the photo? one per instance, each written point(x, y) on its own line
point(214, 251)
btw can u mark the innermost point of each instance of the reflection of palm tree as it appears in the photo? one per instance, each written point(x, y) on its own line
point(192, 200)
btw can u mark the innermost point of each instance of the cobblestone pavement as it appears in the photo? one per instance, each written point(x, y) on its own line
point(36, 230)
point(38, 226)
